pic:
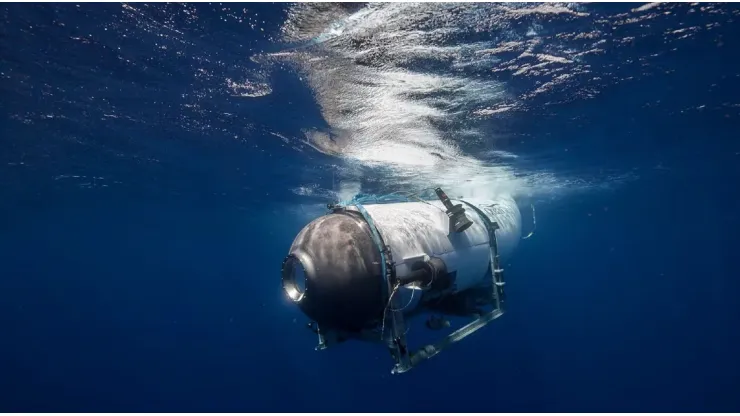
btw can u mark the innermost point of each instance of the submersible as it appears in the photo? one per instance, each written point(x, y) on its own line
point(368, 269)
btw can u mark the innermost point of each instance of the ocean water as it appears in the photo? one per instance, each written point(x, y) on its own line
point(157, 160)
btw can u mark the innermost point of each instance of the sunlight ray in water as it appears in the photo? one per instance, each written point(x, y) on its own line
point(384, 111)
point(412, 88)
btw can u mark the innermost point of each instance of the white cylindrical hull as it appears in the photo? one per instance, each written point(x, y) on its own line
point(418, 230)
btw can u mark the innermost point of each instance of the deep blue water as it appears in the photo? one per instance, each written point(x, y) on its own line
point(147, 205)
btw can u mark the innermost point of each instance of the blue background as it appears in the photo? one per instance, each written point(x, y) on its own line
point(160, 292)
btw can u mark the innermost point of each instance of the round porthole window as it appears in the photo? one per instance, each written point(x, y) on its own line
point(294, 279)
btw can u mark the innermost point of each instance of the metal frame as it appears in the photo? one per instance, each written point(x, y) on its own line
point(396, 342)
point(497, 298)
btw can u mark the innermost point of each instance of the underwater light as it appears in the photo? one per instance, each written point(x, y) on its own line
point(366, 271)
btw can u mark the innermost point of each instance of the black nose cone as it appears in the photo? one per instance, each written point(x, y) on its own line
point(333, 272)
